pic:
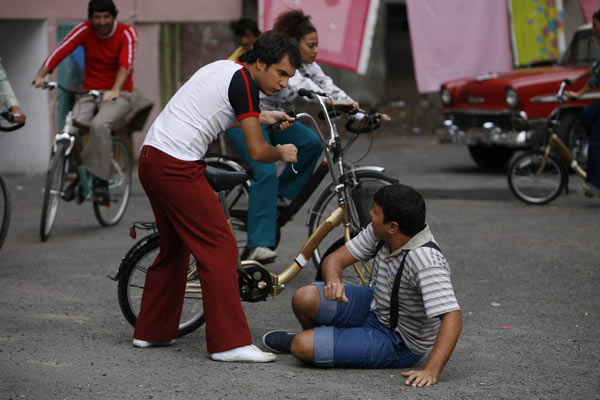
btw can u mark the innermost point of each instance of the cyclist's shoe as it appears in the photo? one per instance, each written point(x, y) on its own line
point(157, 343)
point(279, 341)
point(248, 353)
point(100, 191)
point(591, 190)
point(71, 190)
point(263, 254)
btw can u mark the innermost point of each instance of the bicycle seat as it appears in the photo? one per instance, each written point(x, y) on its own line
point(221, 180)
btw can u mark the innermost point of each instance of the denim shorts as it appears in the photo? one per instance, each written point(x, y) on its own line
point(352, 337)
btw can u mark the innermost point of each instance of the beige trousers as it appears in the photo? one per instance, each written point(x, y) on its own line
point(101, 116)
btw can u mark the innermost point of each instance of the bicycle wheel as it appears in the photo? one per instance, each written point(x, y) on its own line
point(237, 199)
point(119, 185)
point(52, 191)
point(350, 276)
point(4, 211)
point(533, 184)
point(131, 287)
point(358, 206)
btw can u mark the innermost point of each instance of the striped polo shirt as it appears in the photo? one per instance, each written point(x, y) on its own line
point(425, 292)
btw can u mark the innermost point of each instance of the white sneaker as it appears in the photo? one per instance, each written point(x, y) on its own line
point(143, 343)
point(262, 254)
point(248, 353)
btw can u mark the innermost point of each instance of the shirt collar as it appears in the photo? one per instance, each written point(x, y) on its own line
point(416, 241)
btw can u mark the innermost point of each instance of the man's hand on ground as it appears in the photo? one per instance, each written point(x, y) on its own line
point(419, 378)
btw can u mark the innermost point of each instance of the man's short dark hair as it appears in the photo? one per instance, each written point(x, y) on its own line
point(242, 25)
point(596, 16)
point(403, 205)
point(271, 47)
point(102, 6)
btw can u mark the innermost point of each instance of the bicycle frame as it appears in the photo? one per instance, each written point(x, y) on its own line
point(554, 141)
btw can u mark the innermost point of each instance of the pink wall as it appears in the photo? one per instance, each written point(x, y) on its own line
point(129, 10)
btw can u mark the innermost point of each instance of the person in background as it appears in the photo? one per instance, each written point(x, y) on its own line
point(9, 99)
point(110, 48)
point(246, 32)
point(590, 117)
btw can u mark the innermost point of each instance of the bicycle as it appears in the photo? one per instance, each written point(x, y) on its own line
point(256, 282)
point(539, 176)
point(66, 149)
point(7, 124)
point(362, 181)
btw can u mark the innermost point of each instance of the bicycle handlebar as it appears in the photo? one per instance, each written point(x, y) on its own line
point(7, 115)
point(368, 123)
point(75, 92)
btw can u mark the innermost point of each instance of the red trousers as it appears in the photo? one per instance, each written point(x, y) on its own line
point(189, 219)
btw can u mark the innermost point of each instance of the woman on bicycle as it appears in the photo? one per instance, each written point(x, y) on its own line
point(266, 186)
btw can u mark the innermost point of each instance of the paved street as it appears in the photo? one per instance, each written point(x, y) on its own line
point(527, 279)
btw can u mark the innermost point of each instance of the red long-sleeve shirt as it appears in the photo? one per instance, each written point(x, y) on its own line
point(104, 56)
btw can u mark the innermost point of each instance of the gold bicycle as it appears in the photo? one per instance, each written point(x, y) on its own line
point(539, 176)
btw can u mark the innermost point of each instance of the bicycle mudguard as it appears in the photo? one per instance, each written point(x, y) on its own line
point(373, 168)
point(125, 260)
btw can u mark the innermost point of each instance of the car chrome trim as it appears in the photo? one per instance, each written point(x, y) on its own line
point(551, 98)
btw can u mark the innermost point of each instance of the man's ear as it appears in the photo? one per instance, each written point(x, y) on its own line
point(393, 227)
point(260, 64)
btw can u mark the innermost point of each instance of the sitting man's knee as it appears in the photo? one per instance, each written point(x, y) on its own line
point(307, 300)
point(302, 346)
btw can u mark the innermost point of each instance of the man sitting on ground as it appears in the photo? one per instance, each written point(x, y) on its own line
point(411, 309)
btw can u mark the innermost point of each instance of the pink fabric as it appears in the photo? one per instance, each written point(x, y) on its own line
point(588, 8)
point(457, 38)
point(341, 26)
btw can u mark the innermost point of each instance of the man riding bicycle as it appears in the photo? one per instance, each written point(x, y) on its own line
point(110, 48)
point(8, 98)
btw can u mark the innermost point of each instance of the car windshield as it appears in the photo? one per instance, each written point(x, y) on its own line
point(584, 49)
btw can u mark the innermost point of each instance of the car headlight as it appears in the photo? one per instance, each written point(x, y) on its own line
point(511, 98)
point(445, 96)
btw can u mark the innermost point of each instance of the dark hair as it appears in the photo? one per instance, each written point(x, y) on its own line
point(271, 47)
point(242, 25)
point(294, 23)
point(596, 16)
point(403, 205)
point(102, 6)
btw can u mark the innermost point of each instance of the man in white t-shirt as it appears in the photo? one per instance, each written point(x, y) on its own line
point(188, 215)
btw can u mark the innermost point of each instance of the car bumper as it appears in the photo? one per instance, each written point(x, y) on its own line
point(520, 135)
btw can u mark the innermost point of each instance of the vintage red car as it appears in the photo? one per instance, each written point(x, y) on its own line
point(497, 114)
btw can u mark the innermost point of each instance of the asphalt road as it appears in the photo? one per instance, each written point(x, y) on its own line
point(527, 279)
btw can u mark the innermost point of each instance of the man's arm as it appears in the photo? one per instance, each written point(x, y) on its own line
point(333, 266)
point(442, 349)
point(262, 151)
point(66, 47)
point(120, 80)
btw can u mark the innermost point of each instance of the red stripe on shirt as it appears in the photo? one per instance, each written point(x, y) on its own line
point(248, 114)
point(247, 91)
